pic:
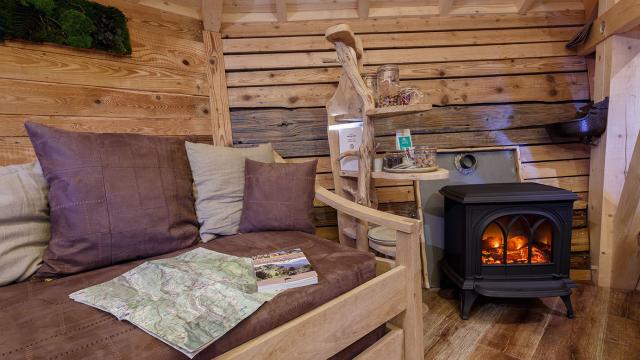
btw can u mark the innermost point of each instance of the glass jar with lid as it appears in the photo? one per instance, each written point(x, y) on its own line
point(371, 82)
point(388, 85)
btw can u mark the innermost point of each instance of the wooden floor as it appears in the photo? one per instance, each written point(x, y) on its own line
point(606, 326)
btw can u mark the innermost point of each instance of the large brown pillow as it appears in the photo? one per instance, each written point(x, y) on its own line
point(113, 197)
point(278, 196)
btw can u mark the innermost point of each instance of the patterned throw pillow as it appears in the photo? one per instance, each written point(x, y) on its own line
point(218, 174)
point(24, 221)
point(113, 197)
point(278, 197)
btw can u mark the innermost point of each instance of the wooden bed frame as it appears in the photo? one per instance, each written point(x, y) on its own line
point(393, 297)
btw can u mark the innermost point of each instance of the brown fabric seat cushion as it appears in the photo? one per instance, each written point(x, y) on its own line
point(113, 197)
point(39, 321)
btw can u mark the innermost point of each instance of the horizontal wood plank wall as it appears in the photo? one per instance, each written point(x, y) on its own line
point(494, 80)
point(160, 89)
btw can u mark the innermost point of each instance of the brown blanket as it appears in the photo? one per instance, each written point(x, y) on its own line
point(39, 321)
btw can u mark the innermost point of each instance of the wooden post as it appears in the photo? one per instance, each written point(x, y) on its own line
point(626, 246)
point(616, 76)
point(408, 255)
point(211, 12)
point(218, 96)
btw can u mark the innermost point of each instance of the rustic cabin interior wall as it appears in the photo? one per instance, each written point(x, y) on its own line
point(493, 79)
point(160, 89)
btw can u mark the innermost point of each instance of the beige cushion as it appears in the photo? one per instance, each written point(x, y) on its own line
point(24, 221)
point(218, 176)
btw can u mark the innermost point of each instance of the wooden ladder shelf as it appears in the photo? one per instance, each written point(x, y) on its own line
point(354, 102)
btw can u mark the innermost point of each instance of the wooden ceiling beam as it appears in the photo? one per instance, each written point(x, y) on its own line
point(445, 6)
point(281, 10)
point(524, 5)
point(211, 14)
point(363, 9)
point(620, 18)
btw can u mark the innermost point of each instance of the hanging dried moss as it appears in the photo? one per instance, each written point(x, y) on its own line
point(77, 23)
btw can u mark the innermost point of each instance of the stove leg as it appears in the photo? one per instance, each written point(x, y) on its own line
point(467, 297)
point(567, 303)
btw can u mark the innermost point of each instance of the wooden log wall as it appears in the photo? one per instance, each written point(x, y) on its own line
point(493, 79)
point(160, 89)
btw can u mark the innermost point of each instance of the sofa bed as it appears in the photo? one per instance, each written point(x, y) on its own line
point(362, 307)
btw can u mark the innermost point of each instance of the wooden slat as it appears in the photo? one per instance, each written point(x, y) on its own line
point(558, 87)
point(549, 169)
point(147, 49)
point(573, 183)
point(409, 24)
point(402, 40)
point(36, 98)
point(162, 23)
point(27, 64)
point(524, 5)
point(363, 9)
point(580, 240)
point(554, 152)
point(273, 125)
point(219, 98)
point(400, 56)
point(414, 71)
point(212, 15)
point(360, 310)
point(13, 125)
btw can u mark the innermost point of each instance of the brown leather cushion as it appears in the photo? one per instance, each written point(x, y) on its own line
point(39, 321)
point(278, 197)
point(113, 197)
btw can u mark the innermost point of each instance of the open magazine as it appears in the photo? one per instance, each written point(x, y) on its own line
point(281, 270)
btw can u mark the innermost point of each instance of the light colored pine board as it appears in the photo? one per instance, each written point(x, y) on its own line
point(13, 125)
point(557, 87)
point(402, 40)
point(573, 183)
point(157, 21)
point(476, 21)
point(219, 99)
point(413, 71)
point(554, 152)
point(550, 169)
point(361, 309)
point(37, 98)
point(400, 56)
point(185, 8)
point(211, 14)
point(30, 64)
point(148, 48)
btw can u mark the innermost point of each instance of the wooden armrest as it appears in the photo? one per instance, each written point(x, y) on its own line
point(395, 222)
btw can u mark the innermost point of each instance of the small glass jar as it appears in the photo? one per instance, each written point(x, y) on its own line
point(388, 85)
point(371, 82)
point(425, 156)
point(393, 159)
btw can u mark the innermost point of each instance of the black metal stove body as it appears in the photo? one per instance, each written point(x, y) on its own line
point(508, 240)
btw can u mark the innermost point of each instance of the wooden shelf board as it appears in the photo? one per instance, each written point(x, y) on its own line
point(434, 175)
point(384, 112)
point(389, 111)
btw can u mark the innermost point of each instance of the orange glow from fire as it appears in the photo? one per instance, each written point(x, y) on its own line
point(517, 247)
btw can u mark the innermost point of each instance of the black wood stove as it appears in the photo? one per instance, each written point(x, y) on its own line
point(508, 240)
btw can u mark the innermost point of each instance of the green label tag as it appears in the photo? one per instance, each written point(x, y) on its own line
point(404, 142)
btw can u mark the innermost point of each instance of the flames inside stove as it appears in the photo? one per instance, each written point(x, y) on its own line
point(529, 240)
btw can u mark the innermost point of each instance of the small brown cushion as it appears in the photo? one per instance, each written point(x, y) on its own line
point(113, 197)
point(278, 197)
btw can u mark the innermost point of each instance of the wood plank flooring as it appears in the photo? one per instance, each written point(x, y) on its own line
point(606, 326)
